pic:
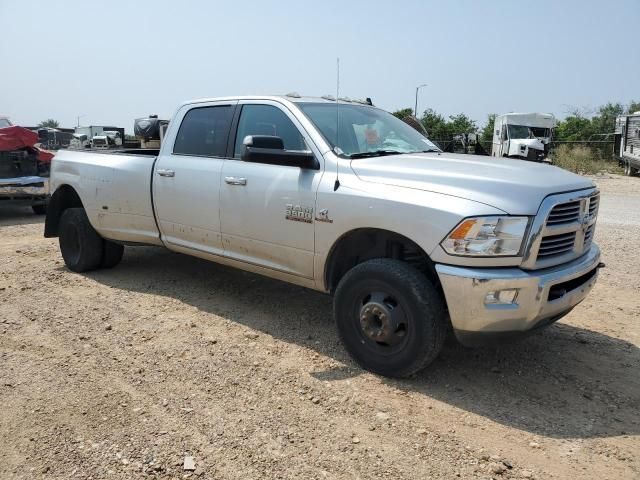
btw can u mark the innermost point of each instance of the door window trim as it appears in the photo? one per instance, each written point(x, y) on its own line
point(191, 107)
point(288, 113)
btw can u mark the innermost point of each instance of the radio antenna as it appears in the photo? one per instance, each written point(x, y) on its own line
point(336, 149)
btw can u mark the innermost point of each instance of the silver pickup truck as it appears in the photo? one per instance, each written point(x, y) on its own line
point(344, 198)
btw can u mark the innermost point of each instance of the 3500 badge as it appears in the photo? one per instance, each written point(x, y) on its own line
point(298, 213)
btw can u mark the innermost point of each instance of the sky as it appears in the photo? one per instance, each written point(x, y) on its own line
point(110, 62)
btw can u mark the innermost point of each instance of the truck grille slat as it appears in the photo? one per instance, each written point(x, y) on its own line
point(588, 235)
point(564, 213)
point(556, 245)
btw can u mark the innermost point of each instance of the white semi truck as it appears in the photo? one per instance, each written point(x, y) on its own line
point(411, 242)
point(526, 136)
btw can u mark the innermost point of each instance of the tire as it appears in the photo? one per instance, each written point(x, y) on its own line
point(39, 209)
point(390, 318)
point(627, 168)
point(111, 254)
point(80, 244)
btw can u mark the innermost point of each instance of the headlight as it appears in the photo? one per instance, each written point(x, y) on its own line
point(487, 236)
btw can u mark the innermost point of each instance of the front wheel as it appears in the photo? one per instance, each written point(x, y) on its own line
point(390, 317)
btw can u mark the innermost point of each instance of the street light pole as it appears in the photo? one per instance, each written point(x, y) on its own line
point(415, 110)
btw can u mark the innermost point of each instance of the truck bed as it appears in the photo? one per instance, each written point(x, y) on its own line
point(115, 187)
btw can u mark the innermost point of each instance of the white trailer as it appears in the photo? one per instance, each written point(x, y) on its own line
point(523, 135)
point(627, 142)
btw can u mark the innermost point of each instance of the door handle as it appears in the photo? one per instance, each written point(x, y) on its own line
point(166, 173)
point(235, 180)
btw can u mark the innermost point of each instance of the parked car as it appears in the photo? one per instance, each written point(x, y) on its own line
point(346, 199)
point(24, 169)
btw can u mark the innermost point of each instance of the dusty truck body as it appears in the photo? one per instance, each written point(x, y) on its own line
point(345, 199)
point(526, 136)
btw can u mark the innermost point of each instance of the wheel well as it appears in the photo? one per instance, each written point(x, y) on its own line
point(64, 197)
point(364, 244)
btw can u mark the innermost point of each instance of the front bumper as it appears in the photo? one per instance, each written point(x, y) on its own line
point(543, 296)
point(32, 189)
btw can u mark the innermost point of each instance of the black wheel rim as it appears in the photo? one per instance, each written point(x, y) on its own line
point(381, 320)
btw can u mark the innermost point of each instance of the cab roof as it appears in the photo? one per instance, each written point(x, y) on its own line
point(290, 97)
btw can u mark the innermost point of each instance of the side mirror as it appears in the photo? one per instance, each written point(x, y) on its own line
point(269, 149)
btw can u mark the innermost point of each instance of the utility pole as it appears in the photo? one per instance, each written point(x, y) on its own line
point(78, 120)
point(415, 110)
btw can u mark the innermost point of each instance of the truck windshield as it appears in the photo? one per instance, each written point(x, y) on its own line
point(364, 131)
point(518, 131)
point(4, 123)
point(541, 132)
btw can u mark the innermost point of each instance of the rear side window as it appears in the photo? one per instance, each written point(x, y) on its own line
point(268, 120)
point(204, 132)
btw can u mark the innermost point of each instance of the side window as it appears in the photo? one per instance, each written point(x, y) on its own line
point(267, 120)
point(204, 132)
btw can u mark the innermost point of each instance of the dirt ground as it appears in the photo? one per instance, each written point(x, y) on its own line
point(123, 373)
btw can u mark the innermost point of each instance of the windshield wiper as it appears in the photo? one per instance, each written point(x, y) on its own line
point(376, 153)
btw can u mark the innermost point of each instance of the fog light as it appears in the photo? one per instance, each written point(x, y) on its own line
point(501, 297)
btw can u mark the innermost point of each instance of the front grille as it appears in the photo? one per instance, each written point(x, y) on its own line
point(563, 230)
point(564, 213)
point(593, 204)
point(555, 245)
point(535, 155)
point(588, 235)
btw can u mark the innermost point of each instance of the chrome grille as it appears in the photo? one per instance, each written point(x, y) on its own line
point(594, 201)
point(588, 235)
point(554, 245)
point(564, 213)
point(563, 229)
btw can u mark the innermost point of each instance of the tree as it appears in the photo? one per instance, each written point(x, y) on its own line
point(605, 121)
point(573, 128)
point(487, 131)
point(436, 125)
point(460, 123)
point(634, 106)
point(403, 113)
point(49, 123)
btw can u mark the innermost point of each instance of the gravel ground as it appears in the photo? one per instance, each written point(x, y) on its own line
point(167, 360)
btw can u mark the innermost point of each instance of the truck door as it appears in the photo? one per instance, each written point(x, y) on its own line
point(267, 211)
point(496, 142)
point(504, 141)
point(186, 177)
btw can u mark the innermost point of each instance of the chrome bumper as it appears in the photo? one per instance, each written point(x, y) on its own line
point(24, 187)
point(543, 296)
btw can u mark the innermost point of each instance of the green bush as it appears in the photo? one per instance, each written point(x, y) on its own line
point(583, 160)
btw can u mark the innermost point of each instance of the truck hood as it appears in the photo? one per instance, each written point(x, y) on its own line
point(516, 187)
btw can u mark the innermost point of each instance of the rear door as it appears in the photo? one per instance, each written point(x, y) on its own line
point(186, 183)
point(267, 211)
